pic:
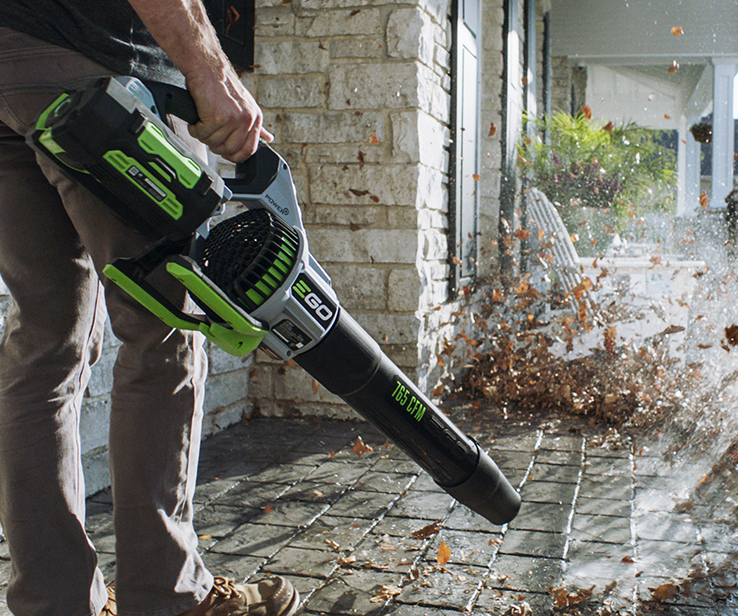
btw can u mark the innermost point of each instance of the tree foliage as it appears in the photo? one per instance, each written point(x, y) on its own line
point(583, 163)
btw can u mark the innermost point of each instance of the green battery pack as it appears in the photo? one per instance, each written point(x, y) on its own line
point(121, 150)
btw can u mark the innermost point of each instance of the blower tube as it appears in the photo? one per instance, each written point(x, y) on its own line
point(350, 364)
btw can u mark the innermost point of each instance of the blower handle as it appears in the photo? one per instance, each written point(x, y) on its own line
point(173, 100)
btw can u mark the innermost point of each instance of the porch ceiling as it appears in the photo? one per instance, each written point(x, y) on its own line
point(629, 46)
point(637, 32)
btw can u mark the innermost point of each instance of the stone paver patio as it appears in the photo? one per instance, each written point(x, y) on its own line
point(599, 531)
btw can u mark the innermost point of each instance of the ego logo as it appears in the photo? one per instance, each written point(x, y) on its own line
point(313, 300)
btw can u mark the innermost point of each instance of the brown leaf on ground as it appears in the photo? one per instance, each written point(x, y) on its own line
point(427, 531)
point(665, 592)
point(385, 594)
point(444, 554)
point(563, 598)
point(360, 448)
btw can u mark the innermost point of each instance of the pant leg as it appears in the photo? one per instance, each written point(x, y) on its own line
point(50, 340)
point(156, 407)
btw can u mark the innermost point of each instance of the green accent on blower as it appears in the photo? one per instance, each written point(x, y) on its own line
point(146, 182)
point(240, 339)
point(408, 403)
point(153, 141)
point(243, 338)
point(41, 121)
point(274, 276)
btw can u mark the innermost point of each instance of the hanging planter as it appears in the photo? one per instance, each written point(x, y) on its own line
point(702, 132)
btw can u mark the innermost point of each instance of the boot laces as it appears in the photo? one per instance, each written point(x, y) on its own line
point(224, 588)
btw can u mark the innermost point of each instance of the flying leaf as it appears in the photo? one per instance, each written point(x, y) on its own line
point(587, 112)
point(444, 554)
point(677, 30)
point(704, 201)
point(731, 334)
point(373, 138)
point(673, 68)
point(492, 130)
point(610, 339)
point(609, 126)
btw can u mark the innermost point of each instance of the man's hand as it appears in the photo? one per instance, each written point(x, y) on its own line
point(230, 119)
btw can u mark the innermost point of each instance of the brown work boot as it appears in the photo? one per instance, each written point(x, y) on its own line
point(273, 596)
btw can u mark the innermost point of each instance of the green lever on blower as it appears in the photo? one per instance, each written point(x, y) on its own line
point(252, 274)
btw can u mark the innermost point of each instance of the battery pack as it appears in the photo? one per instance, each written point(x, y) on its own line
point(120, 149)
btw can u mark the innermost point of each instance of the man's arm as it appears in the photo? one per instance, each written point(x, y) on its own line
point(230, 119)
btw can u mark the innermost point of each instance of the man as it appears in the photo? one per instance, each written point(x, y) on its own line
point(54, 240)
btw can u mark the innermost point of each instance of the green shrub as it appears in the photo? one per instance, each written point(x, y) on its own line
point(627, 168)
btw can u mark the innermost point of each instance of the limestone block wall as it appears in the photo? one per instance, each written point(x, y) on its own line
point(357, 94)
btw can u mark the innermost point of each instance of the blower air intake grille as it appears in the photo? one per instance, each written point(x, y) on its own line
point(249, 256)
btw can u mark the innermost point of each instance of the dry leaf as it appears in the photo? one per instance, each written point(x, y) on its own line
point(316, 386)
point(563, 598)
point(673, 68)
point(360, 448)
point(373, 138)
point(608, 127)
point(427, 531)
point(385, 594)
point(444, 554)
point(610, 339)
point(492, 130)
point(587, 112)
point(664, 592)
point(522, 234)
point(731, 334)
point(704, 201)
point(476, 177)
point(677, 30)
point(268, 508)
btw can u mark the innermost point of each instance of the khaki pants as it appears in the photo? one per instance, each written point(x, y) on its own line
point(54, 241)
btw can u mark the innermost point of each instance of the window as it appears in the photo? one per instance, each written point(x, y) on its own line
point(234, 22)
point(464, 172)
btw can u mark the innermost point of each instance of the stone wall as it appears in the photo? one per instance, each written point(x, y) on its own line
point(357, 94)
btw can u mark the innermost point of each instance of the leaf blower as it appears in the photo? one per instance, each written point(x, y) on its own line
point(252, 274)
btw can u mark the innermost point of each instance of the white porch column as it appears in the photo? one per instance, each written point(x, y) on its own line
point(688, 170)
point(722, 130)
point(689, 192)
